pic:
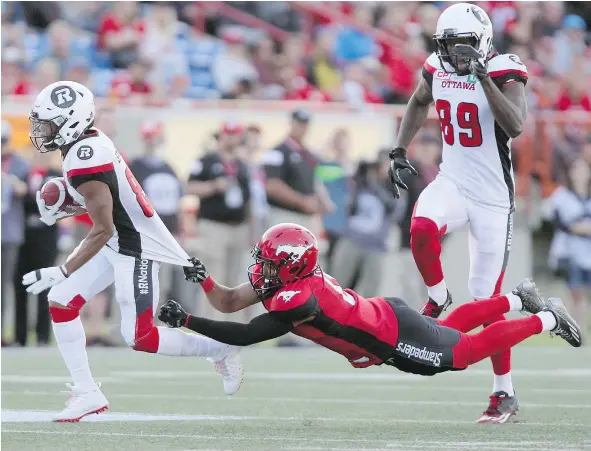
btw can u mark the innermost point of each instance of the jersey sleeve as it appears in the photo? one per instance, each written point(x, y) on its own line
point(275, 162)
point(90, 160)
point(507, 69)
point(431, 65)
point(294, 303)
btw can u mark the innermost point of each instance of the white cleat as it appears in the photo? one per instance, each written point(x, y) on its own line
point(230, 369)
point(82, 402)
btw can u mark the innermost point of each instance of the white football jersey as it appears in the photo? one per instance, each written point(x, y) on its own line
point(476, 150)
point(139, 231)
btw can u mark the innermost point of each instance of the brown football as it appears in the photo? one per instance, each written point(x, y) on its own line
point(50, 193)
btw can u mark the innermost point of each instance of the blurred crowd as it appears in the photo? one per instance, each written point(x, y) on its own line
point(354, 52)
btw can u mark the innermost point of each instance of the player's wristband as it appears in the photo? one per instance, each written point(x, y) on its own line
point(208, 284)
point(64, 271)
point(187, 321)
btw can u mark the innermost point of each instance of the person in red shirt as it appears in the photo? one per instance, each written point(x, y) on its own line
point(120, 33)
point(131, 82)
point(300, 298)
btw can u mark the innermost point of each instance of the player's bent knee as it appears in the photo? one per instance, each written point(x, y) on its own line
point(147, 343)
point(423, 230)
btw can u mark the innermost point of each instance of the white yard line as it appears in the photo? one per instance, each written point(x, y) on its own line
point(387, 443)
point(36, 416)
point(283, 399)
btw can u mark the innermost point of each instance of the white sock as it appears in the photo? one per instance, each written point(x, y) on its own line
point(515, 303)
point(175, 342)
point(548, 320)
point(503, 383)
point(438, 292)
point(71, 342)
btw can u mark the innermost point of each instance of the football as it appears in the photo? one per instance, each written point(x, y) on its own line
point(51, 193)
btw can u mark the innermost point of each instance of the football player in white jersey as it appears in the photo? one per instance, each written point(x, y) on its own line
point(126, 246)
point(480, 99)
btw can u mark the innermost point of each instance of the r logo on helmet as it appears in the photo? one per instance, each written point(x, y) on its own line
point(63, 96)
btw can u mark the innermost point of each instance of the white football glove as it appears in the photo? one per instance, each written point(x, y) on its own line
point(44, 278)
point(49, 215)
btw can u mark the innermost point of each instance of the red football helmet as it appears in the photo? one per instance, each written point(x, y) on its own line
point(286, 253)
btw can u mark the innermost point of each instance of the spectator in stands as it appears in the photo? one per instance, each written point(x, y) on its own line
point(264, 60)
point(38, 250)
point(132, 82)
point(354, 43)
point(292, 186)
point(232, 64)
point(323, 71)
point(292, 54)
point(163, 187)
point(572, 208)
point(40, 15)
point(15, 172)
point(60, 36)
point(159, 45)
point(335, 173)
point(120, 34)
point(355, 90)
point(78, 70)
point(46, 71)
point(575, 95)
point(222, 183)
point(427, 16)
point(84, 15)
point(358, 257)
point(14, 76)
point(569, 43)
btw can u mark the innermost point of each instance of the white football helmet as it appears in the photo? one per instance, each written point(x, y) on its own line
point(462, 22)
point(61, 113)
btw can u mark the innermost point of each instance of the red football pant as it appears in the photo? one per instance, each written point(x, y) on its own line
point(494, 339)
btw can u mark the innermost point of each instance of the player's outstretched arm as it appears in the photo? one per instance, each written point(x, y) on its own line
point(262, 328)
point(222, 298)
point(415, 115)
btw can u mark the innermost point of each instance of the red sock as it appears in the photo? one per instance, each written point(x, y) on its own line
point(497, 337)
point(501, 362)
point(425, 243)
point(473, 314)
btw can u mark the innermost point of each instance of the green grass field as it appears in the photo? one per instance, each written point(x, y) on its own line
point(295, 399)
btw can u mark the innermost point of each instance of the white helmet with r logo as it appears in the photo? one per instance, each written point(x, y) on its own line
point(61, 113)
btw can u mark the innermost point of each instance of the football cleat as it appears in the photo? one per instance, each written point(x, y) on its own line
point(531, 299)
point(434, 310)
point(230, 369)
point(566, 327)
point(501, 409)
point(82, 402)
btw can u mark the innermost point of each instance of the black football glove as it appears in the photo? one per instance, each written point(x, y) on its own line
point(468, 52)
point(172, 314)
point(196, 273)
point(398, 161)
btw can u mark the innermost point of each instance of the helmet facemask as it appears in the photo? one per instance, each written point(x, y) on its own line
point(263, 275)
point(44, 133)
point(445, 50)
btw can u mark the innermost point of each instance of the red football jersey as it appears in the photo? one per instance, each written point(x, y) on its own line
point(365, 331)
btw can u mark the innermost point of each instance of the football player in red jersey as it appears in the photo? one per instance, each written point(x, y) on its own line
point(302, 299)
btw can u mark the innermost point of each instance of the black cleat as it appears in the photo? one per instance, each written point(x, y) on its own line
point(434, 310)
point(501, 409)
point(566, 327)
point(531, 299)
